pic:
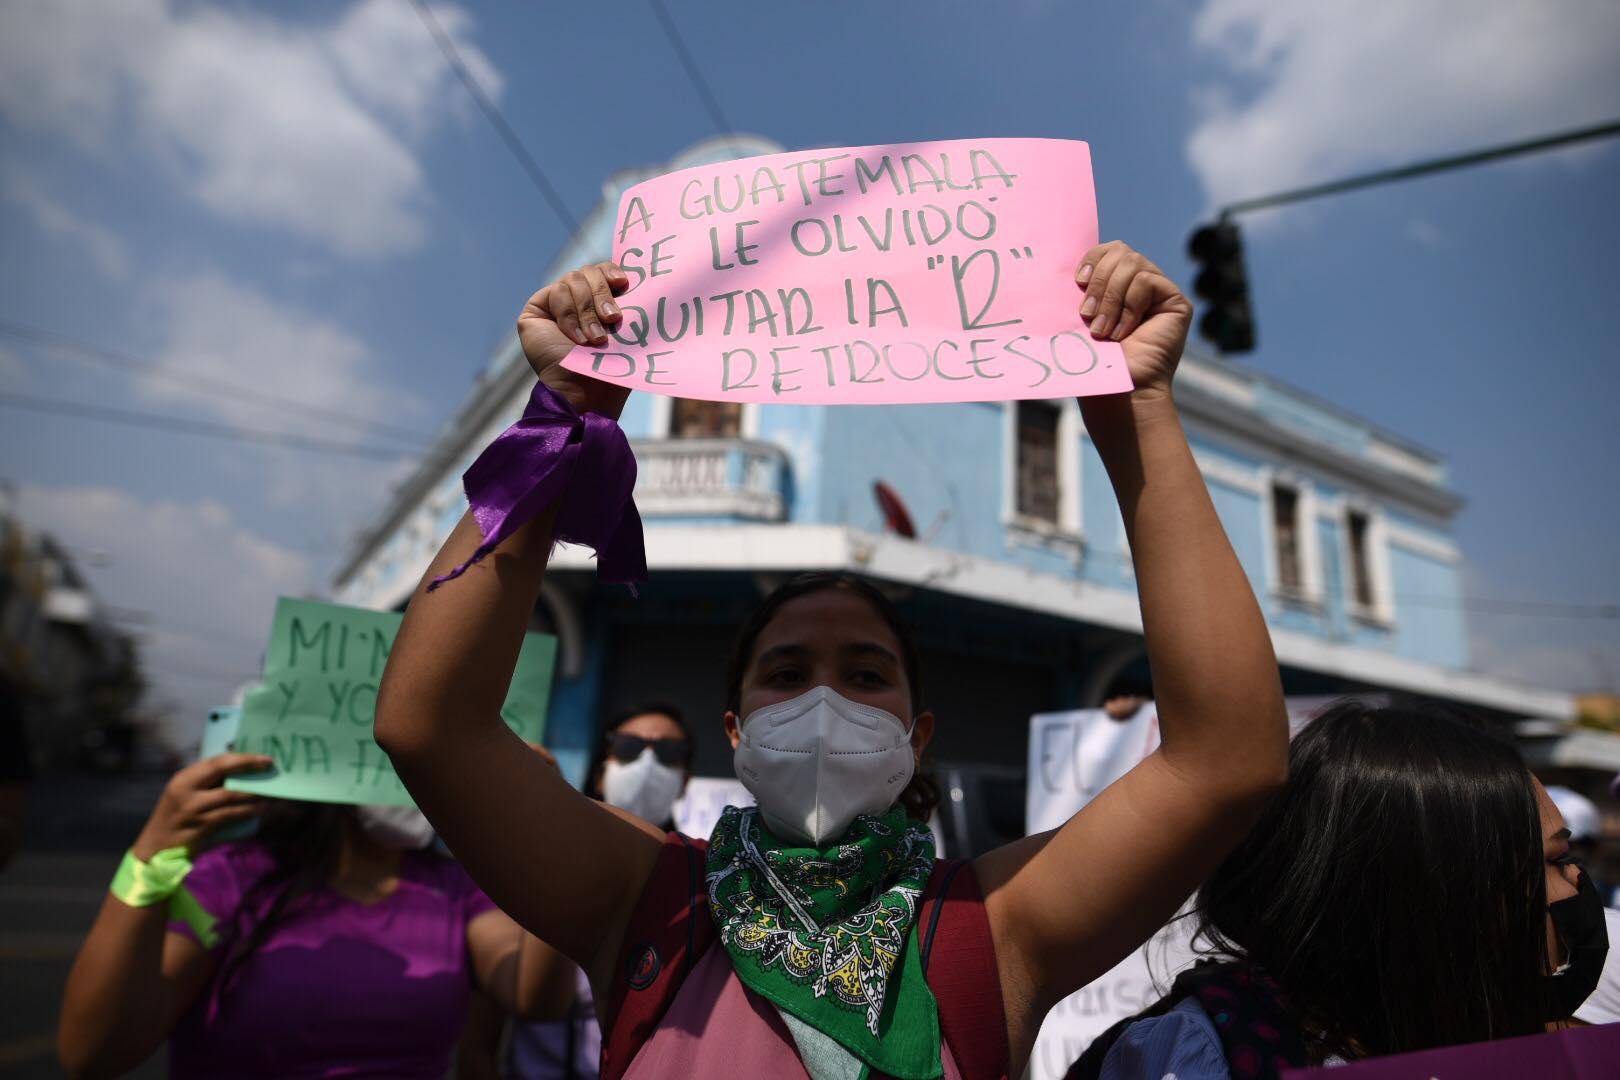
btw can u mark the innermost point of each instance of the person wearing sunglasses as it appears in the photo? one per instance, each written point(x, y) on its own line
point(641, 764)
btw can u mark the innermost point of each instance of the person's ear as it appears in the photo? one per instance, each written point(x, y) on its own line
point(733, 729)
point(922, 732)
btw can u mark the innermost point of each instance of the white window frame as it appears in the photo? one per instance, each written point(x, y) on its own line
point(663, 414)
point(1312, 590)
point(1067, 534)
point(1382, 611)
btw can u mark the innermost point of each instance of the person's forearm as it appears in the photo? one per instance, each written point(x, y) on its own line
point(452, 661)
point(115, 1006)
point(546, 982)
point(439, 720)
point(1215, 676)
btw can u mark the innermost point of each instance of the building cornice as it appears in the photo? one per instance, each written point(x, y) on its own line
point(1246, 425)
point(789, 548)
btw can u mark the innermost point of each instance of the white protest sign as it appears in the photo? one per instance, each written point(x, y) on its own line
point(698, 808)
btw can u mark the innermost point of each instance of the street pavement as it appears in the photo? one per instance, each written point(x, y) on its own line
point(76, 829)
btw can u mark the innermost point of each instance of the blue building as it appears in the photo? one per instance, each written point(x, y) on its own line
point(1013, 563)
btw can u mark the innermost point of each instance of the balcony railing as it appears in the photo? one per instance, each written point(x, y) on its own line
point(736, 478)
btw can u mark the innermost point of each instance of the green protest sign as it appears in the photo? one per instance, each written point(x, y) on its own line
point(314, 713)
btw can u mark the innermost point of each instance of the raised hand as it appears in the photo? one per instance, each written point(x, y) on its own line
point(574, 310)
point(194, 803)
point(1131, 301)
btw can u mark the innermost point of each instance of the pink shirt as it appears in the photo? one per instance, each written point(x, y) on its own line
point(716, 1026)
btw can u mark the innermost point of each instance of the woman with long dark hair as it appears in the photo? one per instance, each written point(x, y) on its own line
point(1411, 887)
point(801, 939)
point(330, 943)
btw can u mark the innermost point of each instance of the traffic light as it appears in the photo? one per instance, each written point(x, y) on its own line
point(1224, 285)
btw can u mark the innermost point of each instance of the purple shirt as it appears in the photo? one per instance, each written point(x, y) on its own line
point(339, 989)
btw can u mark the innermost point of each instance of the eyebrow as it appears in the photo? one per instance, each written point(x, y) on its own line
point(871, 648)
point(854, 648)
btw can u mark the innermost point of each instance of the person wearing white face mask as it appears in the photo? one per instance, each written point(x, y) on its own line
point(642, 763)
point(800, 941)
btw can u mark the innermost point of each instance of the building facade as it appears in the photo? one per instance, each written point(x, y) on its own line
point(69, 677)
point(992, 524)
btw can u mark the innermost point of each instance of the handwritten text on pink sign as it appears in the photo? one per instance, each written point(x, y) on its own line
point(918, 272)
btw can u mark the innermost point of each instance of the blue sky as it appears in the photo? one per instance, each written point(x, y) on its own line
point(300, 199)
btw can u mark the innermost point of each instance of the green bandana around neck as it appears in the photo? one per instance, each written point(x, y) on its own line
point(829, 935)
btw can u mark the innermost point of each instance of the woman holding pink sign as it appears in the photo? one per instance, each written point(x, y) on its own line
point(817, 935)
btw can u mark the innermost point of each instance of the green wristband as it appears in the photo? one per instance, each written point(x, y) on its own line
point(142, 884)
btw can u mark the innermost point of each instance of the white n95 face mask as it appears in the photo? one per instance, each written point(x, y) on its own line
point(816, 763)
point(399, 828)
point(646, 786)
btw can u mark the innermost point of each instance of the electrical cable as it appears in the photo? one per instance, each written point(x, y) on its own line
point(694, 74)
point(493, 114)
point(125, 361)
point(206, 429)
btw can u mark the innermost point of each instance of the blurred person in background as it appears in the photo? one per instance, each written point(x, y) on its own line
point(1126, 697)
point(642, 762)
point(1412, 887)
point(1585, 823)
point(332, 942)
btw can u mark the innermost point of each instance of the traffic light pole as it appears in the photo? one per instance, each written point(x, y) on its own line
point(1423, 168)
point(1223, 283)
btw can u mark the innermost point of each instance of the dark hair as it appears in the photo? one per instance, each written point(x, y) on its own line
point(1395, 887)
point(921, 795)
point(304, 840)
point(604, 735)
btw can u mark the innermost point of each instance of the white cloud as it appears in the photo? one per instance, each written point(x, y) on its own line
point(306, 128)
point(1316, 89)
point(1425, 234)
point(13, 372)
point(228, 331)
point(101, 244)
point(208, 583)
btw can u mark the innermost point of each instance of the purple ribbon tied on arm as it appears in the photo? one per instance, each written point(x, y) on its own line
point(552, 455)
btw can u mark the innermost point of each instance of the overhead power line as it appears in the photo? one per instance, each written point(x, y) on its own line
point(492, 113)
point(693, 72)
point(183, 426)
point(221, 387)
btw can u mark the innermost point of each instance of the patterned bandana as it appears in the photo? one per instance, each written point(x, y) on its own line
point(829, 936)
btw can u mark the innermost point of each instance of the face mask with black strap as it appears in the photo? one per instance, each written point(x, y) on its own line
point(1580, 926)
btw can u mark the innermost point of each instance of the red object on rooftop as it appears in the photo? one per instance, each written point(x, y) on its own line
point(895, 516)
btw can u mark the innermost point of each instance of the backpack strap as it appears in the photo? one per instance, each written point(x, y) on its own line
point(959, 962)
point(668, 931)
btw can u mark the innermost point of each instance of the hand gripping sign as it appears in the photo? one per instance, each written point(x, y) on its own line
point(917, 272)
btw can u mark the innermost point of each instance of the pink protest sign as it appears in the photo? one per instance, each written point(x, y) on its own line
point(917, 272)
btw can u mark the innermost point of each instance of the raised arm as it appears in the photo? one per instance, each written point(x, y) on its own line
point(133, 979)
point(1066, 906)
point(565, 868)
